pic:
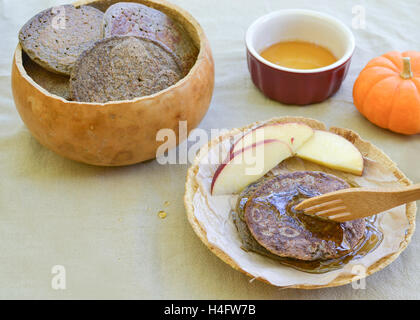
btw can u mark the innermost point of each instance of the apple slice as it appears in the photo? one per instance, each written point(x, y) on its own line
point(294, 134)
point(248, 165)
point(333, 151)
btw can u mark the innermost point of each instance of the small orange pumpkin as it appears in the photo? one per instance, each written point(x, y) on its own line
point(387, 91)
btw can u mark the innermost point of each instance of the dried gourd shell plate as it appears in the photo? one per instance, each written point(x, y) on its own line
point(211, 222)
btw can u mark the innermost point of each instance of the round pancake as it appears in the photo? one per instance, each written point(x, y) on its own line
point(56, 37)
point(134, 19)
point(123, 68)
point(284, 232)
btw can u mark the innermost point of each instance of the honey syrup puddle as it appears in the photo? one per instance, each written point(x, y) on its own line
point(322, 228)
point(370, 241)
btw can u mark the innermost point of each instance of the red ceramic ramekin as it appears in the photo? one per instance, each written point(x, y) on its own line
point(295, 86)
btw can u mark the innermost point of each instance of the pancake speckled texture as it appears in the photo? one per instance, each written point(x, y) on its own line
point(297, 235)
point(123, 68)
point(57, 36)
point(139, 20)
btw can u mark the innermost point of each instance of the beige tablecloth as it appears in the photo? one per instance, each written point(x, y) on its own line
point(102, 224)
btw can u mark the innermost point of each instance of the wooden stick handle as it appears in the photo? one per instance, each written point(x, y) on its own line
point(409, 194)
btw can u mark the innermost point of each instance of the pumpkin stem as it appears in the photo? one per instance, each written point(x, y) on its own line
point(406, 73)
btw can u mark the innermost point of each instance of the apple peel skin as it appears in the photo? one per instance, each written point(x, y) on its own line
point(333, 151)
point(240, 169)
point(294, 134)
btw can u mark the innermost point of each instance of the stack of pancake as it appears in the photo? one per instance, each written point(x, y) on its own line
point(83, 54)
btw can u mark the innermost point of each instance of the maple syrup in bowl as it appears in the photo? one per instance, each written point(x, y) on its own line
point(298, 56)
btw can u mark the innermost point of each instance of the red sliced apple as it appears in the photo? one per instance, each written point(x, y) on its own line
point(333, 151)
point(248, 165)
point(294, 134)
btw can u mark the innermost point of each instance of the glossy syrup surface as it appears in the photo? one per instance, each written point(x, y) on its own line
point(370, 241)
point(298, 55)
point(320, 228)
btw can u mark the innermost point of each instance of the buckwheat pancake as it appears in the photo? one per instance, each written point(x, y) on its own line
point(135, 19)
point(54, 83)
point(123, 68)
point(276, 226)
point(56, 37)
